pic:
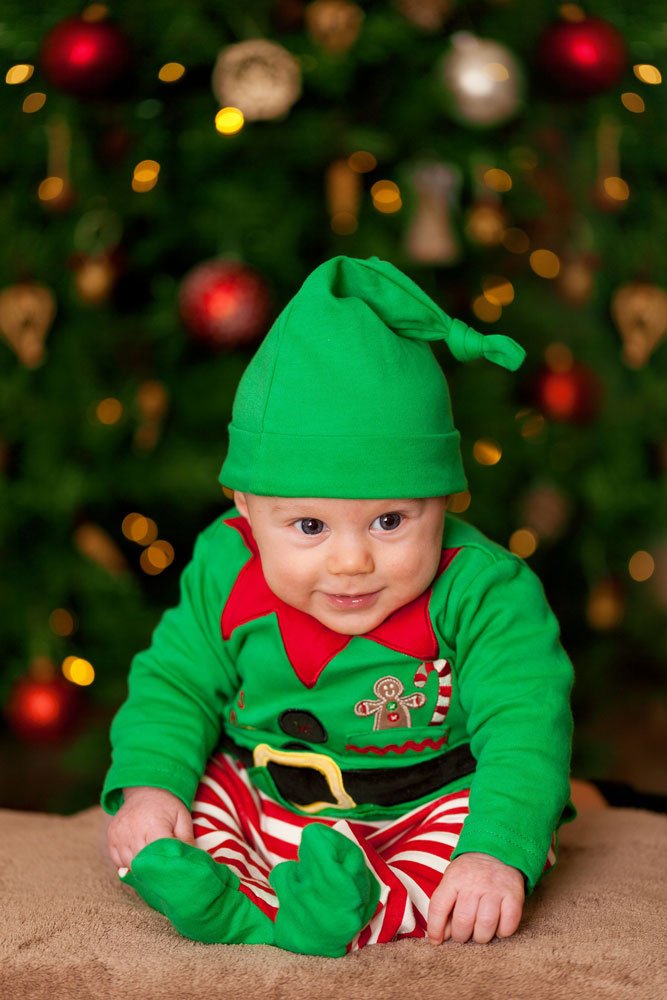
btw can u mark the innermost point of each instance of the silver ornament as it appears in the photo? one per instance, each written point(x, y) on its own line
point(483, 80)
point(259, 77)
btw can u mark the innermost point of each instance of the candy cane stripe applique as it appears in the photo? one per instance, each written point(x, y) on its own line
point(444, 672)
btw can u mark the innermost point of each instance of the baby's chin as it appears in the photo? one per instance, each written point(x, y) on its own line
point(351, 623)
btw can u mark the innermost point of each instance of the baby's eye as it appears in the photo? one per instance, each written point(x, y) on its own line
point(311, 525)
point(387, 522)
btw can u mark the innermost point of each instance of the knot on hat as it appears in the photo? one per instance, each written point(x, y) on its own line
point(467, 344)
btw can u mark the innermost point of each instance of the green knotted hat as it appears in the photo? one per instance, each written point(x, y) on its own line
point(345, 398)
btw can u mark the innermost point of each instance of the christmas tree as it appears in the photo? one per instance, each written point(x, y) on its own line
point(172, 172)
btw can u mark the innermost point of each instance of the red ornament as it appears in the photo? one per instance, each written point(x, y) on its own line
point(571, 395)
point(85, 58)
point(224, 303)
point(42, 710)
point(582, 57)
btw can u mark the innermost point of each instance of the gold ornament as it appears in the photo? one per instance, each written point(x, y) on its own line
point(260, 78)
point(427, 14)
point(343, 187)
point(334, 24)
point(152, 402)
point(430, 237)
point(486, 222)
point(94, 279)
point(26, 313)
point(482, 79)
point(639, 311)
point(94, 543)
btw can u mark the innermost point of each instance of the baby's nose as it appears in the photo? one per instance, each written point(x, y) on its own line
point(349, 556)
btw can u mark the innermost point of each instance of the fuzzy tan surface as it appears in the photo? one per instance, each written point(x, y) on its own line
point(594, 928)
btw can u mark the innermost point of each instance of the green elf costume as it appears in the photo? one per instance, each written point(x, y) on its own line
point(332, 778)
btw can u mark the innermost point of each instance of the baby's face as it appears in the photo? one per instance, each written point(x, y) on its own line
point(348, 563)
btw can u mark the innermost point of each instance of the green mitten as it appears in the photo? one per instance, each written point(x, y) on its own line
point(326, 896)
point(197, 894)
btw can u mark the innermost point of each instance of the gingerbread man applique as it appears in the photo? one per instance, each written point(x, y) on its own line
point(391, 709)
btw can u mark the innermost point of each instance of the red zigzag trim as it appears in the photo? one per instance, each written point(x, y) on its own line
point(395, 748)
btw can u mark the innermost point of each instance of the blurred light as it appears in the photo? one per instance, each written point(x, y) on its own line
point(497, 180)
point(145, 175)
point(545, 263)
point(532, 423)
point(19, 73)
point(385, 191)
point(386, 196)
point(559, 357)
point(95, 12)
point(515, 240)
point(647, 73)
point(605, 607)
point(78, 671)
point(523, 542)
point(50, 188)
point(66, 664)
point(166, 547)
point(362, 162)
point(487, 452)
point(344, 223)
point(458, 502)
point(139, 529)
point(34, 102)
point(487, 311)
point(641, 566)
point(62, 622)
point(156, 557)
point(498, 291)
point(171, 72)
point(633, 102)
point(229, 121)
point(140, 186)
point(126, 526)
point(146, 170)
point(109, 411)
point(616, 188)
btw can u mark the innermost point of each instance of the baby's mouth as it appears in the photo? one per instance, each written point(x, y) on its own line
point(351, 602)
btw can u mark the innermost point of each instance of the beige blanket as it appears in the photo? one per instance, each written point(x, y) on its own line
point(594, 928)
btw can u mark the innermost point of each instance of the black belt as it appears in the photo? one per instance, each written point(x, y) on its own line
point(306, 785)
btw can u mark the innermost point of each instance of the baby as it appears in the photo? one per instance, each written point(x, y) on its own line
point(355, 725)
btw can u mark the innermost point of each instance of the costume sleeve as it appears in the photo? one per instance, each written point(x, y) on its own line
point(170, 722)
point(514, 685)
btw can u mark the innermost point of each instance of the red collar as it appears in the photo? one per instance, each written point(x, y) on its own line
point(309, 645)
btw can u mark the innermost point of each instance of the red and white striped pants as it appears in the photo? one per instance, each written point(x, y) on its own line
point(242, 827)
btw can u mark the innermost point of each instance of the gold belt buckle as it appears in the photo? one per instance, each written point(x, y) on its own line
point(263, 754)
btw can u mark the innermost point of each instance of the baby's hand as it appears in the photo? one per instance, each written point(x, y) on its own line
point(479, 896)
point(147, 814)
